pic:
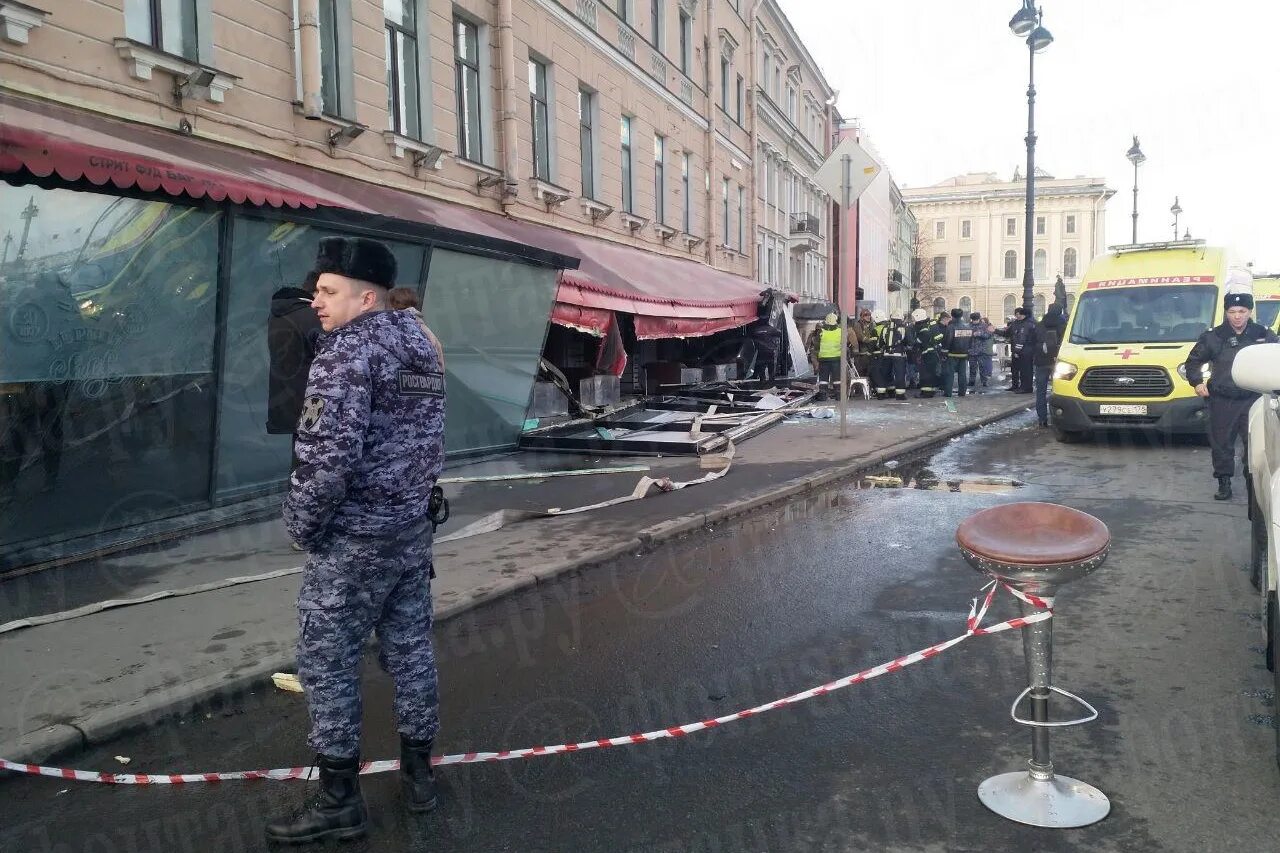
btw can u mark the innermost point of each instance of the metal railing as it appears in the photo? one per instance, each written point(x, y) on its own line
point(804, 223)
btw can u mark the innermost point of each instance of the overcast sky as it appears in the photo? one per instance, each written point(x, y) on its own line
point(940, 85)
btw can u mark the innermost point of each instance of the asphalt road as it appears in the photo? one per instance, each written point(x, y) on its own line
point(1165, 640)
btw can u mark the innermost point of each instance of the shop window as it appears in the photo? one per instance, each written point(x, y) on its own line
point(107, 318)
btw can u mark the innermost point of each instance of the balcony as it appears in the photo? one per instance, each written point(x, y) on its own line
point(805, 236)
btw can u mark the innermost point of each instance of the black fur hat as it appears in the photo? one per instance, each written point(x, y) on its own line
point(1238, 300)
point(358, 258)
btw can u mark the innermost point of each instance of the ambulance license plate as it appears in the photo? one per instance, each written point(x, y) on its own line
point(1122, 410)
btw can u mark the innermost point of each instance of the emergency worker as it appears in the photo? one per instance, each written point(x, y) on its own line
point(981, 350)
point(864, 330)
point(875, 346)
point(893, 354)
point(370, 447)
point(824, 350)
point(955, 370)
point(1021, 363)
point(1208, 370)
point(928, 336)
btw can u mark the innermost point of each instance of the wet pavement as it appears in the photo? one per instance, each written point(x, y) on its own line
point(1164, 640)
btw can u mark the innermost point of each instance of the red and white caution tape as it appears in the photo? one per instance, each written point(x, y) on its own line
point(973, 628)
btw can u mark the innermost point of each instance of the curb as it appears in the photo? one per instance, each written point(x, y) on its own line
point(63, 738)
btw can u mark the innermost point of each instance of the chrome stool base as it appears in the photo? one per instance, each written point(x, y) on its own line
point(1058, 802)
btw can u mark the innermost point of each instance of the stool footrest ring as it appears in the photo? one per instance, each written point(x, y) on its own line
point(1054, 724)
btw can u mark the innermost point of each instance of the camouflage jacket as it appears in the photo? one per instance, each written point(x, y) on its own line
point(370, 441)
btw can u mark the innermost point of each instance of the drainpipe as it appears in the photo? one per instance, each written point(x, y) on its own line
point(507, 104)
point(309, 57)
point(755, 142)
point(712, 177)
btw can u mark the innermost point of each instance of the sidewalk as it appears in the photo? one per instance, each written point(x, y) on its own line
point(86, 679)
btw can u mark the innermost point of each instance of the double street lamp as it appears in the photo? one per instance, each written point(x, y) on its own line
point(1137, 158)
point(1176, 210)
point(1028, 24)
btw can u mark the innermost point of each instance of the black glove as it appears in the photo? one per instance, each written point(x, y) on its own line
point(438, 506)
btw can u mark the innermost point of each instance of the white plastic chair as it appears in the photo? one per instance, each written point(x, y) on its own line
point(857, 380)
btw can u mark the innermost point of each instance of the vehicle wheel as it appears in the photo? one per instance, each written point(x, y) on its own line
point(1257, 546)
point(1067, 436)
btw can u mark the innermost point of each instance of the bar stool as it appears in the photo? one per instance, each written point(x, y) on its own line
point(1036, 548)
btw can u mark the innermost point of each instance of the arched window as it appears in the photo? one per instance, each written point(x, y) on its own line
point(939, 304)
point(1011, 264)
point(1069, 263)
point(1010, 305)
point(1071, 302)
point(1040, 265)
point(966, 305)
point(1039, 305)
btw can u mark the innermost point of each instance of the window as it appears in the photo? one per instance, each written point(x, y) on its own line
point(624, 10)
point(742, 213)
point(1071, 302)
point(659, 179)
point(1011, 264)
point(1011, 226)
point(171, 25)
point(1040, 264)
point(686, 219)
point(939, 304)
point(1040, 225)
point(724, 196)
point(540, 120)
point(686, 43)
point(627, 200)
point(1010, 304)
point(655, 23)
point(739, 99)
point(791, 103)
point(1071, 224)
point(966, 267)
point(1038, 305)
point(772, 275)
point(466, 52)
point(777, 83)
point(332, 95)
point(1069, 263)
point(966, 229)
point(939, 230)
point(966, 305)
point(587, 141)
point(766, 62)
point(402, 67)
point(940, 270)
point(724, 83)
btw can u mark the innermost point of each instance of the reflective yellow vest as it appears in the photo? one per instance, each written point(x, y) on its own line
point(829, 342)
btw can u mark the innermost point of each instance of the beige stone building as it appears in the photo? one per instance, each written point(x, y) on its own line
point(793, 124)
point(972, 239)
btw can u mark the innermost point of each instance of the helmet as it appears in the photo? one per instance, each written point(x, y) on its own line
point(896, 315)
point(919, 315)
point(878, 316)
point(831, 319)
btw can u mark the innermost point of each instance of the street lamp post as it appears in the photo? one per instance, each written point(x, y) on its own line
point(1026, 23)
point(1176, 210)
point(1137, 158)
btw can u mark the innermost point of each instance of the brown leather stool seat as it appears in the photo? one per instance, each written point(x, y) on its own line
point(1033, 534)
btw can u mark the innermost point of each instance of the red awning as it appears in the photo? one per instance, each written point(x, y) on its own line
point(45, 138)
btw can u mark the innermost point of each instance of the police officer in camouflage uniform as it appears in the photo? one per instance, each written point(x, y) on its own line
point(370, 447)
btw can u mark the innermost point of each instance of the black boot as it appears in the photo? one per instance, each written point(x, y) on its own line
point(1224, 489)
point(337, 812)
point(416, 775)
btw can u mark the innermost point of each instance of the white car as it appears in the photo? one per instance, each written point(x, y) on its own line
point(1258, 369)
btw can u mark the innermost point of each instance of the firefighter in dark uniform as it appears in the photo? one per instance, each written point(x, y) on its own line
point(1209, 372)
point(956, 342)
point(874, 347)
point(370, 447)
point(928, 342)
point(893, 355)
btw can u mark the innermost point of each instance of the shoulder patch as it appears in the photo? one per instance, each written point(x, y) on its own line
point(312, 409)
point(415, 384)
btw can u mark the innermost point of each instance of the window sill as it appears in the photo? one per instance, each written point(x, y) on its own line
point(422, 153)
point(691, 242)
point(143, 59)
point(548, 193)
point(664, 232)
point(633, 222)
point(598, 211)
point(479, 168)
point(19, 19)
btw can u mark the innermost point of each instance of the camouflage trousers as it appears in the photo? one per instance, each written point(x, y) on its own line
point(353, 585)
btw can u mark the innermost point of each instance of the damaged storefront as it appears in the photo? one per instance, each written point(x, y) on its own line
point(135, 283)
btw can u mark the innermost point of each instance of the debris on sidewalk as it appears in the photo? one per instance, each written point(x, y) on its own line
point(123, 759)
point(287, 681)
point(546, 475)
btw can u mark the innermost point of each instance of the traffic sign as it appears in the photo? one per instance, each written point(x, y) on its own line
point(863, 169)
